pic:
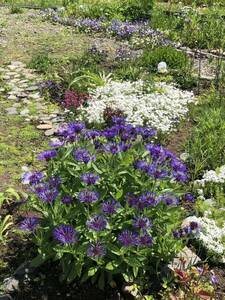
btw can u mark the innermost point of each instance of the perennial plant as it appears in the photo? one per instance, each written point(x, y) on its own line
point(108, 203)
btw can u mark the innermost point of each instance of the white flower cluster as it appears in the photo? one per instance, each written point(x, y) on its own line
point(211, 236)
point(217, 176)
point(161, 107)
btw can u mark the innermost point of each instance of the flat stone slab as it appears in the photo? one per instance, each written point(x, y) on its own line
point(11, 111)
point(44, 126)
point(185, 259)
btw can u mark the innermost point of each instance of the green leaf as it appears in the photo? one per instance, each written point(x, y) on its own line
point(96, 168)
point(112, 265)
point(101, 281)
point(132, 261)
point(92, 271)
point(135, 271)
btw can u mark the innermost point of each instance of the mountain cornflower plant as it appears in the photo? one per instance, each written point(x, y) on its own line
point(109, 203)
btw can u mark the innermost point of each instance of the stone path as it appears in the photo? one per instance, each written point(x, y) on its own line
point(20, 86)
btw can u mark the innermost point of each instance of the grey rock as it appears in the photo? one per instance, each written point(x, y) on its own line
point(35, 96)
point(11, 111)
point(24, 112)
point(32, 88)
point(17, 64)
point(12, 97)
point(187, 256)
point(22, 95)
point(6, 77)
point(11, 284)
point(50, 132)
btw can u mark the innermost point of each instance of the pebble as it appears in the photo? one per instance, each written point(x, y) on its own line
point(34, 96)
point(12, 97)
point(11, 285)
point(44, 126)
point(50, 132)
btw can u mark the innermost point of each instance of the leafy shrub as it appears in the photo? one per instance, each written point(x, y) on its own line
point(41, 62)
point(137, 10)
point(109, 204)
point(174, 59)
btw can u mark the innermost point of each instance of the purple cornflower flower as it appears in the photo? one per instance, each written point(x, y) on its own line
point(156, 172)
point(119, 120)
point(56, 144)
point(91, 134)
point(47, 155)
point(54, 181)
point(67, 200)
point(89, 178)
point(214, 279)
point(141, 165)
point(32, 178)
point(76, 127)
point(128, 238)
point(132, 200)
point(29, 224)
point(88, 196)
point(180, 176)
point(110, 207)
point(146, 200)
point(142, 222)
point(83, 155)
point(65, 234)
point(189, 197)
point(46, 193)
point(145, 132)
point(97, 223)
point(145, 240)
point(96, 250)
point(168, 199)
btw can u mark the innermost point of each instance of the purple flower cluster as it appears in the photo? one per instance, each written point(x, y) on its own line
point(89, 178)
point(142, 222)
point(88, 196)
point(32, 178)
point(186, 231)
point(96, 250)
point(115, 148)
point(110, 207)
point(67, 200)
point(128, 239)
point(65, 234)
point(115, 27)
point(47, 155)
point(48, 191)
point(29, 224)
point(97, 223)
point(163, 164)
point(83, 155)
point(122, 54)
point(169, 199)
point(98, 53)
point(143, 201)
point(71, 131)
point(189, 197)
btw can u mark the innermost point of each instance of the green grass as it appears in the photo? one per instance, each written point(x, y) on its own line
point(33, 3)
point(19, 144)
point(206, 145)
